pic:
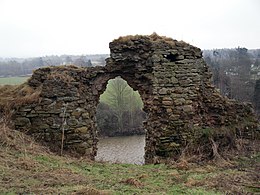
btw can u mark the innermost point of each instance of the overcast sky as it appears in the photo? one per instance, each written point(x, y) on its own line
point(31, 28)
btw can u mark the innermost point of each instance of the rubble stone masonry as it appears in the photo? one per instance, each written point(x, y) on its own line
point(174, 83)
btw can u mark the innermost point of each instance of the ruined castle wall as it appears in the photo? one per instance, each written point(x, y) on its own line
point(174, 83)
point(67, 103)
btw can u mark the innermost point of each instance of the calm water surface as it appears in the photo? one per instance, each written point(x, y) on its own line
point(125, 149)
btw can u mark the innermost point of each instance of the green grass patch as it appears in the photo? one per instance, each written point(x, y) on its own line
point(9, 193)
point(13, 80)
point(134, 179)
point(114, 178)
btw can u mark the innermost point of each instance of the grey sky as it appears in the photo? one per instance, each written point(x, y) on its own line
point(43, 27)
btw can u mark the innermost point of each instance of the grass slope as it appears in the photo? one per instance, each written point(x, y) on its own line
point(29, 168)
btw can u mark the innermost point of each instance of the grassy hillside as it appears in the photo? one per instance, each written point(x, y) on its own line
point(13, 80)
point(29, 168)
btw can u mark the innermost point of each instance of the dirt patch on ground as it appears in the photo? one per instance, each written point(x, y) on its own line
point(236, 182)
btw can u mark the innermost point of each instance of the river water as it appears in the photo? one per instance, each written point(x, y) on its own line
point(125, 149)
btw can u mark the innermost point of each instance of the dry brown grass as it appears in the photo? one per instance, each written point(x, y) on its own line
point(63, 76)
point(182, 164)
point(154, 37)
point(128, 38)
point(11, 97)
point(192, 182)
point(157, 38)
point(22, 171)
point(92, 191)
point(19, 141)
point(237, 182)
point(133, 182)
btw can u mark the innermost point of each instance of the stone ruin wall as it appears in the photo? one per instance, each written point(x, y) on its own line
point(174, 83)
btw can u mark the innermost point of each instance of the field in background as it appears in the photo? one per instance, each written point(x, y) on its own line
point(13, 80)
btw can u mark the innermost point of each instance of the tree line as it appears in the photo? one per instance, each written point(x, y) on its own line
point(236, 72)
point(25, 66)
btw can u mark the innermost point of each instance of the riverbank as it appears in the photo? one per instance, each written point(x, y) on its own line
point(29, 168)
point(131, 132)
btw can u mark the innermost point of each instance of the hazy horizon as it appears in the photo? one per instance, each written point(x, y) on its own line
point(31, 28)
point(87, 54)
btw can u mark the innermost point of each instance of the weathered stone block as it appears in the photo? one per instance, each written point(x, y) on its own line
point(82, 130)
point(174, 117)
point(25, 109)
point(68, 99)
point(180, 57)
point(163, 91)
point(174, 80)
point(187, 108)
point(179, 101)
point(22, 121)
point(31, 115)
point(169, 110)
point(85, 115)
point(43, 126)
point(167, 103)
point(77, 113)
point(72, 122)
